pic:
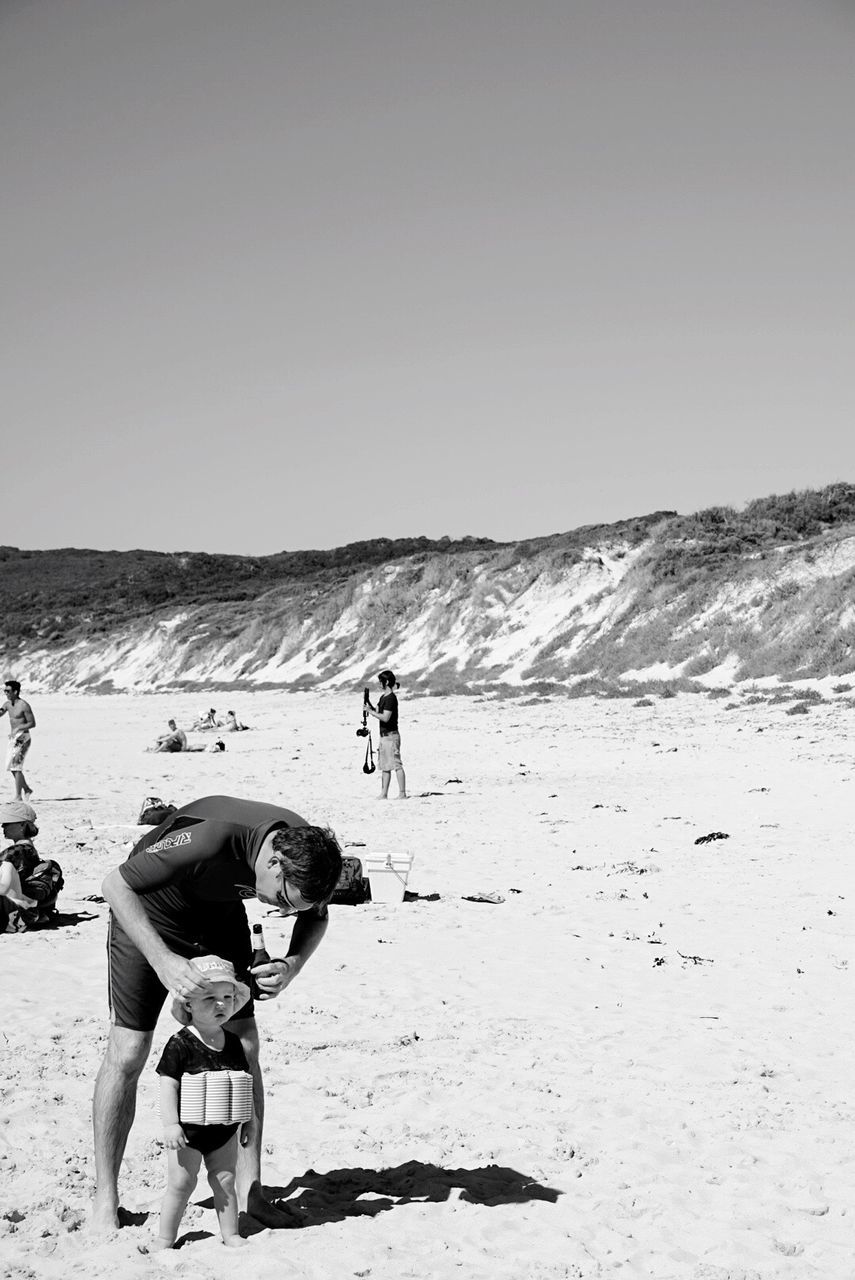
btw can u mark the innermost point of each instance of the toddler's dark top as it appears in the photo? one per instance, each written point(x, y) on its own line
point(185, 1054)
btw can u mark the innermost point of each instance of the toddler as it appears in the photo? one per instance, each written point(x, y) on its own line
point(201, 1045)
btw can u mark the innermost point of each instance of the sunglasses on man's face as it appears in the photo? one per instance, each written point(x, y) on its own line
point(285, 903)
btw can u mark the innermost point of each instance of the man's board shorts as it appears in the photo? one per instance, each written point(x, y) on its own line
point(136, 993)
point(389, 752)
point(17, 751)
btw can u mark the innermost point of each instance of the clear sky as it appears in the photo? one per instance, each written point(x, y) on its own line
point(280, 274)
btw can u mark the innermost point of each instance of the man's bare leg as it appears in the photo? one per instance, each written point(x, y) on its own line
point(385, 779)
point(250, 1194)
point(113, 1108)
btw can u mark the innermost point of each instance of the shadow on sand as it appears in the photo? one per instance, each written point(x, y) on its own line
point(334, 1196)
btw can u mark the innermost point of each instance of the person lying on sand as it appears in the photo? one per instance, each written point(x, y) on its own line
point(233, 725)
point(207, 721)
point(174, 740)
point(178, 893)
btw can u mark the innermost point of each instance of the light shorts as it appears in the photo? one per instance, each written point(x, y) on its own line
point(389, 752)
point(16, 753)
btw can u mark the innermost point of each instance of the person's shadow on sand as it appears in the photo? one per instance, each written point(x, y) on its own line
point(334, 1196)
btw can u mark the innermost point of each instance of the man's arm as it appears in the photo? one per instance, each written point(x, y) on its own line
point(176, 973)
point(29, 718)
point(306, 936)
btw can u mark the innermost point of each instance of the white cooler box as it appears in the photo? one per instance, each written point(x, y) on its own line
point(387, 875)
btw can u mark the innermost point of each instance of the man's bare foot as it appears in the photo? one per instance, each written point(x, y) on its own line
point(159, 1243)
point(234, 1242)
point(268, 1214)
point(104, 1218)
point(402, 796)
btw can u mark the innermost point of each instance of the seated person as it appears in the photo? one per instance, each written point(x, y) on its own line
point(232, 724)
point(26, 899)
point(174, 740)
point(207, 721)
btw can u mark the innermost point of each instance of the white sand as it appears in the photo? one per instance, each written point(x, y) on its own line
point(474, 1090)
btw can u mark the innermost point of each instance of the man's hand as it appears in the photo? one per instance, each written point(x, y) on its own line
point(181, 977)
point(272, 978)
point(174, 1137)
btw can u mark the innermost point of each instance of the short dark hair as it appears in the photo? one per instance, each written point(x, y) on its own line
point(12, 684)
point(310, 858)
point(387, 678)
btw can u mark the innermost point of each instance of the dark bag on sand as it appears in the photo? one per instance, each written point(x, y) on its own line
point(352, 887)
point(154, 811)
point(42, 879)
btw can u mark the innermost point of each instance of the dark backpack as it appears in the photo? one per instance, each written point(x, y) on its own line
point(44, 884)
point(352, 887)
point(41, 879)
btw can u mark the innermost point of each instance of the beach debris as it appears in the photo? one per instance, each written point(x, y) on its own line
point(658, 960)
point(695, 959)
point(423, 795)
point(452, 780)
point(483, 897)
point(751, 790)
point(354, 844)
point(713, 835)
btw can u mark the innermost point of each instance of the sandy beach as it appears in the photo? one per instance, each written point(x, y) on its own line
point(637, 1063)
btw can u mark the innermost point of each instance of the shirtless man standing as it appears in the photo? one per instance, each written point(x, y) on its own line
point(21, 721)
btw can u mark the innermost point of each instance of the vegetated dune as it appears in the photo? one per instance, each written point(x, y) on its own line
point(719, 596)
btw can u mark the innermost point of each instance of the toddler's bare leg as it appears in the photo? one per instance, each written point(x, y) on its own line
point(183, 1170)
point(221, 1178)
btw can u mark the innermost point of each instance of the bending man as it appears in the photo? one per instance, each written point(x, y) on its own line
point(178, 895)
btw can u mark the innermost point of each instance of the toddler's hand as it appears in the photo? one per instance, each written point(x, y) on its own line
point(174, 1137)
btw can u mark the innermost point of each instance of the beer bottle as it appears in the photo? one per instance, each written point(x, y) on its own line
point(260, 955)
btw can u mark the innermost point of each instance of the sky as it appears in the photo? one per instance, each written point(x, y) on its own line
point(288, 274)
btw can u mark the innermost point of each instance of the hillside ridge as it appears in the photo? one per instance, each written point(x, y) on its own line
point(717, 595)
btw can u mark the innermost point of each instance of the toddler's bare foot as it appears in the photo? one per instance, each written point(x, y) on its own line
point(160, 1242)
point(234, 1242)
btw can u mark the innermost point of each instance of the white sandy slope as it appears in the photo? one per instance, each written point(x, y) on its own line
point(639, 1064)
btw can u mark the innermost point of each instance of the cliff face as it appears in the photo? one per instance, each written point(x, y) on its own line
point(668, 597)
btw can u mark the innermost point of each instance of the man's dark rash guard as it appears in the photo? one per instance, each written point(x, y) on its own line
point(200, 862)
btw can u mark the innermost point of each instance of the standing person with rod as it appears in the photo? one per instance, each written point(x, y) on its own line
point(179, 896)
point(389, 753)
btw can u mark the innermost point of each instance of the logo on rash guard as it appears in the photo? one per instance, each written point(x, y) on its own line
point(245, 891)
point(170, 842)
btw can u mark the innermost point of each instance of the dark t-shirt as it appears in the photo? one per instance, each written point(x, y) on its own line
point(388, 702)
point(200, 862)
point(185, 1054)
